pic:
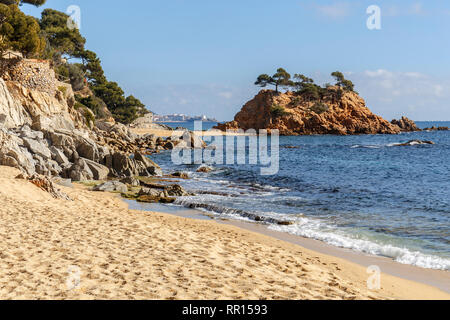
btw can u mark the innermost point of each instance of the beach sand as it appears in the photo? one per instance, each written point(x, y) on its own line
point(127, 254)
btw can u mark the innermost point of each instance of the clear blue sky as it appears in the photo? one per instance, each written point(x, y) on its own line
point(202, 56)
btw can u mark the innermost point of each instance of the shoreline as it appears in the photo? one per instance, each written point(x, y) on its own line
point(439, 279)
point(129, 254)
point(168, 133)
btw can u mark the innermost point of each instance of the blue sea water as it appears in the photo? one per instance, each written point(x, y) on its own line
point(359, 192)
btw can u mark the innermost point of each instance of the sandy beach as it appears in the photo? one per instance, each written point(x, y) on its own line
point(128, 254)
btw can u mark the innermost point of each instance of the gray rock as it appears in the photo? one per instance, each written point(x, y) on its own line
point(37, 147)
point(152, 192)
point(176, 190)
point(59, 156)
point(111, 186)
point(152, 168)
point(99, 172)
point(415, 143)
point(60, 139)
point(12, 155)
point(80, 171)
point(35, 135)
point(131, 181)
point(87, 148)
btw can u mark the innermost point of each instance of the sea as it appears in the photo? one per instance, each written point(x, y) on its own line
point(364, 192)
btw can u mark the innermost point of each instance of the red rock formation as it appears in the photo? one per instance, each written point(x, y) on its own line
point(298, 116)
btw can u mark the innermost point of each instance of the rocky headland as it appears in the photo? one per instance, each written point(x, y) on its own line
point(338, 112)
point(43, 133)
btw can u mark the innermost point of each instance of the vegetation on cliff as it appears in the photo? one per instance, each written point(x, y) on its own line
point(307, 108)
point(305, 86)
point(51, 38)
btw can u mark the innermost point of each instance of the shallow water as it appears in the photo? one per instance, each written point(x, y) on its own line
point(358, 192)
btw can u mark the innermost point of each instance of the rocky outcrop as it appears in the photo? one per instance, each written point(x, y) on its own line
point(39, 110)
point(406, 125)
point(340, 113)
point(434, 128)
point(45, 184)
point(111, 186)
point(42, 133)
point(160, 193)
point(414, 143)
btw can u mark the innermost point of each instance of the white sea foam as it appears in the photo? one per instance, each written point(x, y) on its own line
point(315, 229)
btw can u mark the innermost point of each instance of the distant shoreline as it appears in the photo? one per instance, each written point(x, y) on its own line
point(184, 121)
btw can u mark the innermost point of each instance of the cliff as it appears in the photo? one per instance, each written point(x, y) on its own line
point(43, 132)
point(339, 112)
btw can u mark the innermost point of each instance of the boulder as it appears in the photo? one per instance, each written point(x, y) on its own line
point(13, 155)
point(111, 186)
point(80, 171)
point(152, 192)
point(131, 181)
point(59, 156)
point(37, 147)
point(415, 143)
point(150, 166)
point(182, 175)
point(99, 172)
point(60, 139)
point(87, 148)
point(204, 169)
point(176, 190)
point(26, 132)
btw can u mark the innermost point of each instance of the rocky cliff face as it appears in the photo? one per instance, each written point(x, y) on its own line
point(41, 131)
point(294, 114)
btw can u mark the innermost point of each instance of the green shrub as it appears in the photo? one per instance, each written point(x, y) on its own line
point(320, 108)
point(62, 89)
point(296, 101)
point(278, 111)
point(89, 117)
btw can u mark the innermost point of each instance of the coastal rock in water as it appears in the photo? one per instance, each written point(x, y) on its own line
point(111, 186)
point(152, 192)
point(173, 190)
point(339, 112)
point(149, 165)
point(182, 175)
point(204, 169)
point(437, 129)
point(189, 140)
point(176, 190)
point(415, 143)
point(406, 125)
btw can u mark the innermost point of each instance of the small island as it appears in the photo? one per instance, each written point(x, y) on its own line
point(307, 108)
